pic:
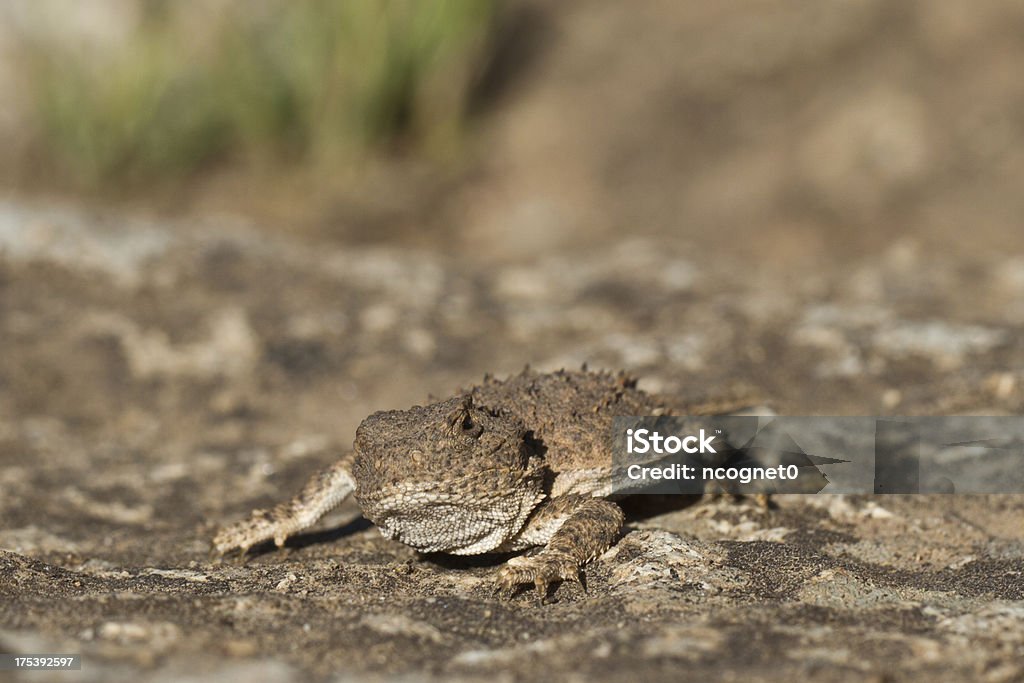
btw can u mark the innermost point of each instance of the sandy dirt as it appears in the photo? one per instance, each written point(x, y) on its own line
point(815, 205)
point(157, 387)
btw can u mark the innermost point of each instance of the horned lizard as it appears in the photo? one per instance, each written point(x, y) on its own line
point(504, 466)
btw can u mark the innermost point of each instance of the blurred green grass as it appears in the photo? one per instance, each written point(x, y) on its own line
point(320, 82)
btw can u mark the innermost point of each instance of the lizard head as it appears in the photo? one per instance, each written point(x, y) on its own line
point(450, 477)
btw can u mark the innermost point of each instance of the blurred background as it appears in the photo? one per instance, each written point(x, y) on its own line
point(346, 205)
point(229, 230)
point(790, 131)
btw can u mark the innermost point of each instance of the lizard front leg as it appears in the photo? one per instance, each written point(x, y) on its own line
point(574, 529)
point(324, 491)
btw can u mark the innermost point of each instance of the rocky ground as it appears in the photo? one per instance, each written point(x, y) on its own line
point(161, 379)
point(812, 204)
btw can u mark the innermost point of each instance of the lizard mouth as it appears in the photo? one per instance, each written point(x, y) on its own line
point(462, 518)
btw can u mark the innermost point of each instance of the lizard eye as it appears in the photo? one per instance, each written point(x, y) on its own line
point(471, 428)
point(461, 420)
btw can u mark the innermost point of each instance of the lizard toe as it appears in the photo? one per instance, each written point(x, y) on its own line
point(542, 570)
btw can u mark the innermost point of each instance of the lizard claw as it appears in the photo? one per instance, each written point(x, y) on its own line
point(541, 570)
point(581, 580)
